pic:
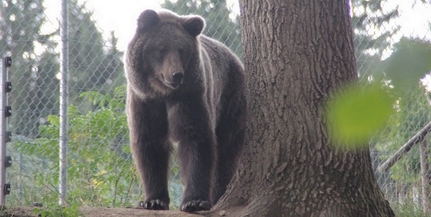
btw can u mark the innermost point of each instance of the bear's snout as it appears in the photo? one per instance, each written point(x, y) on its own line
point(178, 77)
point(172, 72)
point(174, 80)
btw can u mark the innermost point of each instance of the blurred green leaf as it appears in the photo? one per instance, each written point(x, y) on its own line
point(354, 115)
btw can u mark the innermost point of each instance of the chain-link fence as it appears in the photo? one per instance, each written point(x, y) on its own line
point(393, 48)
point(100, 167)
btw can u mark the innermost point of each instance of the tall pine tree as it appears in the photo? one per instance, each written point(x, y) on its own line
point(34, 65)
point(369, 46)
point(94, 64)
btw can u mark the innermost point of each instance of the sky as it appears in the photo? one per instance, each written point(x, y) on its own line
point(415, 20)
point(110, 15)
point(115, 15)
point(124, 23)
point(120, 16)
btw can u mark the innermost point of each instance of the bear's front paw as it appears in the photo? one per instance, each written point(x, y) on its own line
point(195, 205)
point(153, 205)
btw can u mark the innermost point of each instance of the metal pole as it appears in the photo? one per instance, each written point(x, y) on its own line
point(5, 112)
point(2, 134)
point(63, 102)
point(5, 136)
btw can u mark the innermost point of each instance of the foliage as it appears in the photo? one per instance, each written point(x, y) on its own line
point(403, 70)
point(408, 210)
point(100, 165)
point(26, 37)
point(31, 51)
point(91, 66)
point(33, 42)
point(409, 62)
point(358, 114)
point(413, 113)
point(70, 211)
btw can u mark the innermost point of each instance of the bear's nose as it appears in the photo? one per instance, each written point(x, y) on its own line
point(178, 77)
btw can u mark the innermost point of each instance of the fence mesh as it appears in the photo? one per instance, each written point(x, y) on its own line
point(100, 167)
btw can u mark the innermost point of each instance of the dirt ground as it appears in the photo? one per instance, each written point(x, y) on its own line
point(94, 212)
point(111, 212)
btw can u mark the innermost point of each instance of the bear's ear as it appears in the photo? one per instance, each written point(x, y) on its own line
point(147, 20)
point(194, 25)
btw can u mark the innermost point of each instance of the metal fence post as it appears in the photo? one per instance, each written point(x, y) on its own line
point(5, 136)
point(63, 102)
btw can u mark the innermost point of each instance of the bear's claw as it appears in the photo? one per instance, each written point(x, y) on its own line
point(195, 205)
point(153, 205)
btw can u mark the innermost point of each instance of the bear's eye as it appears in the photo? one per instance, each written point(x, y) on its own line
point(157, 50)
point(183, 52)
point(162, 51)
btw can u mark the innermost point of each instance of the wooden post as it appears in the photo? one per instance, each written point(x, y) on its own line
point(424, 174)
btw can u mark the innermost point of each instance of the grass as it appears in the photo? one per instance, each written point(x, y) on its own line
point(409, 210)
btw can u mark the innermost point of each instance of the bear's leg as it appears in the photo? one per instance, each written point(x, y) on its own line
point(151, 148)
point(230, 133)
point(190, 124)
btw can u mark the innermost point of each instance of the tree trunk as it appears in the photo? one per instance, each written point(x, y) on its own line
point(296, 54)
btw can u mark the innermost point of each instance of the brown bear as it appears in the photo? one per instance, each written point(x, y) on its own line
point(188, 88)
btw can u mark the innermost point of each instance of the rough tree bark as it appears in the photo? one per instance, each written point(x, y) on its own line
point(298, 52)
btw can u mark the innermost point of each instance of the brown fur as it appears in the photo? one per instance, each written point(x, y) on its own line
point(187, 88)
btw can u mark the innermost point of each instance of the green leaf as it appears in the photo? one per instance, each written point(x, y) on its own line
point(355, 115)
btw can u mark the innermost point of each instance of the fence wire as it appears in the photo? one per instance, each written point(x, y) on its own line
point(100, 166)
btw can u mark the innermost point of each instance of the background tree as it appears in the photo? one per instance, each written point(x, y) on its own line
point(95, 64)
point(20, 35)
point(298, 53)
point(403, 70)
point(369, 45)
point(408, 63)
point(113, 73)
point(91, 64)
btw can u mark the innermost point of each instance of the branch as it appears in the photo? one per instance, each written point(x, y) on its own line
point(418, 137)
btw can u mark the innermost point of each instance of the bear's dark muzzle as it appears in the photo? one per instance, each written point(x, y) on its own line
point(178, 77)
point(174, 81)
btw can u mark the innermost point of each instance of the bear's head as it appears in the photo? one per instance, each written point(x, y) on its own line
point(163, 53)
